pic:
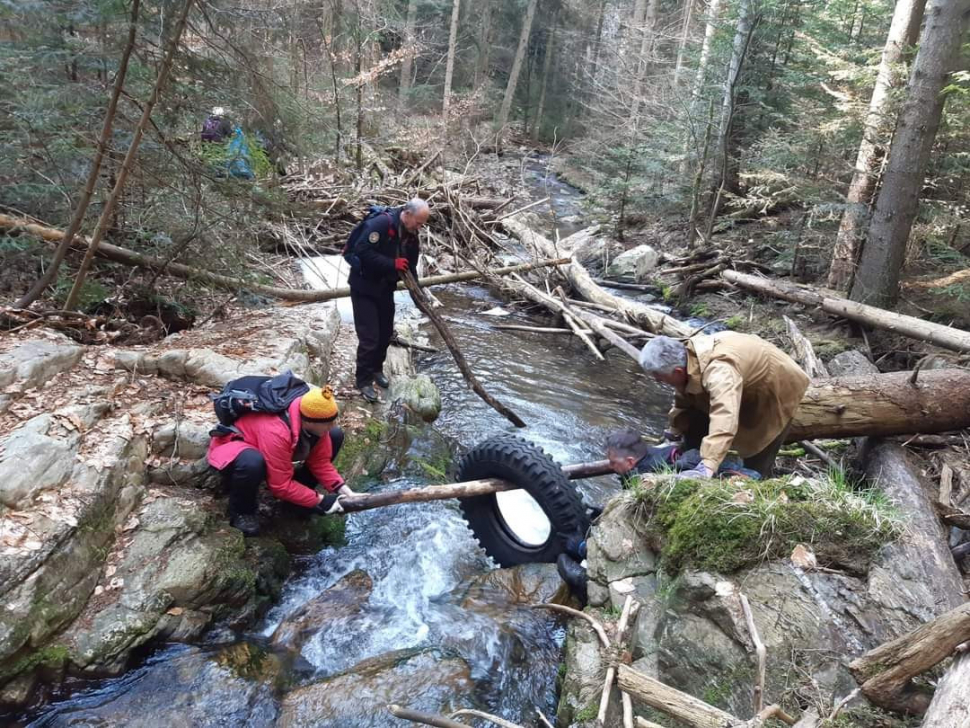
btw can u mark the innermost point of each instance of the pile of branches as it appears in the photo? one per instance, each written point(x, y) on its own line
point(700, 272)
point(322, 211)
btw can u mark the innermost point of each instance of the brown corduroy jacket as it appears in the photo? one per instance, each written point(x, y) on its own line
point(749, 388)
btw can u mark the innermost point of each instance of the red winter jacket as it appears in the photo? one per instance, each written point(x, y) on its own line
point(276, 442)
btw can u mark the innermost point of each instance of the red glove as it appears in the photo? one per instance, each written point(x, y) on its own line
point(401, 264)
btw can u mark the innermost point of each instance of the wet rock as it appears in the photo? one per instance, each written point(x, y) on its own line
point(426, 680)
point(525, 584)
point(49, 570)
point(419, 397)
point(32, 362)
point(344, 599)
point(178, 571)
point(33, 460)
point(182, 688)
point(185, 440)
point(298, 529)
point(636, 264)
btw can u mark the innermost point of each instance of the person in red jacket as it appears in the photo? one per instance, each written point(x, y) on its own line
point(267, 449)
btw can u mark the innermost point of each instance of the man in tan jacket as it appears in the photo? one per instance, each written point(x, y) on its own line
point(733, 391)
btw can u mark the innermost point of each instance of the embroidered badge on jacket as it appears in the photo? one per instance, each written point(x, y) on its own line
point(374, 237)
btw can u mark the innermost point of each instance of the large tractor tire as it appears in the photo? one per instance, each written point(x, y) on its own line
point(515, 460)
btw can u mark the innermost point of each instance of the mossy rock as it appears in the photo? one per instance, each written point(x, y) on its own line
point(363, 454)
point(301, 531)
point(724, 526)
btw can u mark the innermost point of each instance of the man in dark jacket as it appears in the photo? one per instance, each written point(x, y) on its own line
point(385, 247)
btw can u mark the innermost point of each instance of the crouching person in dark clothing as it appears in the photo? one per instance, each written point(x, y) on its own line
point(267, 448)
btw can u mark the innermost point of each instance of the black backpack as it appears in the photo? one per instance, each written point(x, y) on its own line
point(255, 394)
point(350, 247)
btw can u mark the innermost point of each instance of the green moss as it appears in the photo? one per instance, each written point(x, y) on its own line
point(51, 656)
point(352, 461)
point(870, 717)
point(702, 526)
point(329, 530)
point(735, 323)
point(587, 713)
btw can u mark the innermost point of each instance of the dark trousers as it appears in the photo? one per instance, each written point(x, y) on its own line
point(763, 462)
point(243, 476)
point(374, 323)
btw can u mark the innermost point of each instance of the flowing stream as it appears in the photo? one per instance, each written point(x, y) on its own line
point(420, 558)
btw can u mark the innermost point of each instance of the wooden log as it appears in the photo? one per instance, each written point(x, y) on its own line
point(673, 702)
point(468, 489)
point(961, 276)
point(884, 405)
point(951, 701)
point(128, 257)
point(579, 278)
point(945, 336)
point(628, 611)
point(886, 672)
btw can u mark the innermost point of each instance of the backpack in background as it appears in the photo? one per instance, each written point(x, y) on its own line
point(241, 396)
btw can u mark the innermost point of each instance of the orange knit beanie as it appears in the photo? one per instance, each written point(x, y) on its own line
point(318, 405)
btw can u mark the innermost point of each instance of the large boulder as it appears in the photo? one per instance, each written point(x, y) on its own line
point(525, 584)
point(636, 264)
point(191, 687)
point(418, 396)
point(180, 568)
point(425, 680)
point(267, 341)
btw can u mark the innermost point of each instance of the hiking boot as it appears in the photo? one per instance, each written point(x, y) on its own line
point(381, 381)
point(368, 393)
point(572, 572)
point(248, 523)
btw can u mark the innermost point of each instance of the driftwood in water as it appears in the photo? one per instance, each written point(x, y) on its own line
point(945, 336)
point(415, 716)
point(421, 301)
point(886, 673)
point(951, 701)
point(579, 278)
point(129, 257)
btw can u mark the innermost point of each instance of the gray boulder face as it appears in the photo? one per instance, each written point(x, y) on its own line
point(54, 545)
point(234, 686)
point(340, 602)
point(635, 264)
point(30, 363)
point(267, 341)
point(850, 363)
point(582, 682)
point(178, 570)
point(426, 680)
point(691, 633)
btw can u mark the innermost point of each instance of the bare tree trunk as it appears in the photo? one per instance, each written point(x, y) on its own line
point(450, 66)
point(877, 279)
point(903, 33)
point(546, 69)
point(682, 43)
point(405, 86)
point(126, 165)
point(358, 63)
point(484, 42)
point(709, 29)
point(741, 35)
point(82, 206)
point(645, 58)
point(517, 65)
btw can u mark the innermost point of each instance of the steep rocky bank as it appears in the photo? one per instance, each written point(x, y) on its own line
point(113, 529)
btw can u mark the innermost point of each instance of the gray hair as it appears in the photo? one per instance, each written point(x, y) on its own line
point(661, 355)
point(415, 205)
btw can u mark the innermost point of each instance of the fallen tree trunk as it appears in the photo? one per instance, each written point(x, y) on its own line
point(884, 404)
point(886, 672)
point(951, 701)
point(961, 276)
point(129, 257)
point(579, 278)
point(945, 336)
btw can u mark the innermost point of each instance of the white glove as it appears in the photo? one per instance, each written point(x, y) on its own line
point(345, 490)
point(329, 504)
